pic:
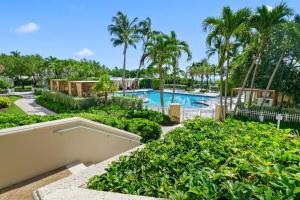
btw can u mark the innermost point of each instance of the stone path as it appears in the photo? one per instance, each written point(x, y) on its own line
point(29, 106)
point(167, 129)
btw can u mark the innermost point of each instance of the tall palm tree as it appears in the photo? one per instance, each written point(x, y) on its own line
point(179, 47)
point(216, 45)
point(124, 32)
point(229, 24)
point(263, 21)
point(159, 51)
point(146, 32)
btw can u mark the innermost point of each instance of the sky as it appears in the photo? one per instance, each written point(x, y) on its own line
point(78, 28)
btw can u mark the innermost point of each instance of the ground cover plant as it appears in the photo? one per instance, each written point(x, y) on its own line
point(211, 160)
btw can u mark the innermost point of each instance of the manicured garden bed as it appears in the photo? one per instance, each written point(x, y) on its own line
point(211, 160)
point(10, 106)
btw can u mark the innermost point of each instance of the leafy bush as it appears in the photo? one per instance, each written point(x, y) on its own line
point(4, 84)
point(146, 129)
point(13, 120)
point(211, 160)
point(56, 107)
point(4, 102)
point(155, 84)
point(150, 131)
point(152, 115)
point(145, 83)
point(128, 102)
point(69, 102)
point(38, 91)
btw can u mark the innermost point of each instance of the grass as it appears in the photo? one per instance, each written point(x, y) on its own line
point(14, 109)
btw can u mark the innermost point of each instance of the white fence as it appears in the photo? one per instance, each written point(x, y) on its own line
point(271, 116)
point(267, 115)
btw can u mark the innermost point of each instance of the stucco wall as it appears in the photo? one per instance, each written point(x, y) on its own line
point(31, 150)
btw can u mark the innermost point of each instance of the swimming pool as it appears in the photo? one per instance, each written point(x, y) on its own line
point(185, 100)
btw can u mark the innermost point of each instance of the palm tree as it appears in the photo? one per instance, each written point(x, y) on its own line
point(179, 47)
point(227, 26)
point(124, 32)
point(216, 45)
point(263, 21)
point(159, 51)
point(290, 35)
point(104, 86)
point(145, 31)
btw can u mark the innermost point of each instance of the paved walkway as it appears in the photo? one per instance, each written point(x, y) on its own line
point(29, 106)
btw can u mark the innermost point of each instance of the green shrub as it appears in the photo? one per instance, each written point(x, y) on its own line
point(4, 84)
point(155, 84)
point(55, 107)
point(13, 120)
point(38, 91)
point(148, 130)
point(128, 102)
point(145, 83)
point(5, 102)
point(152, 115)
point(211, 160)
point(74, 103)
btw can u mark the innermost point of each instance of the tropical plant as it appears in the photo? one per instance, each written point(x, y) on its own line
point(290, 35)
point(104, 86)
point(223, 29)
point(159, 51)
point(179, 47)
point(264, 21)
point(206, 159)
point(125, 32)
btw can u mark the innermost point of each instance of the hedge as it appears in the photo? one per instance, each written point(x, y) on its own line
point(73, 103)
point(128, 102)
point(5, 102)
point(210, 160)
point(149, 130)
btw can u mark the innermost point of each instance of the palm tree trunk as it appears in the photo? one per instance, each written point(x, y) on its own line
point(252, 85)
point(226, 82)
point(247, 77)
point(174, 80)
point(105, 98)
point(161, 89)
point(221, 96)
point(272, 77)
point(124, 68)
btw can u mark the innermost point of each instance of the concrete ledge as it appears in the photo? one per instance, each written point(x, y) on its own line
point(74, 187)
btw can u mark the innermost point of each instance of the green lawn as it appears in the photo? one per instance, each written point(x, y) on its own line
point(14, 109)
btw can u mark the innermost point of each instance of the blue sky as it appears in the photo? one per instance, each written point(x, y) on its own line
point(78, 28)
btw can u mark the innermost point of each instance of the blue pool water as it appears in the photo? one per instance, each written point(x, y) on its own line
point(185, 100)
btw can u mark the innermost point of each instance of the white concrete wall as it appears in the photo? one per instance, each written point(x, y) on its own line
point(28, 151)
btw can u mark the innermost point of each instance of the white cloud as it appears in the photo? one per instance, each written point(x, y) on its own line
point(28, 28)
point(85, 52)
point(269, 7)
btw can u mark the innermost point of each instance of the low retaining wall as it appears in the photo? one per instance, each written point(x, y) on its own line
point(31, 150)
